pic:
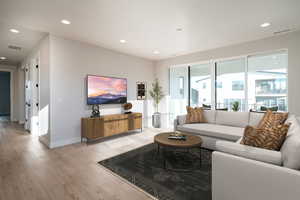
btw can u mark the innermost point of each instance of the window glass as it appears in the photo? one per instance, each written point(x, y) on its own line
point(267, 81)
point(200, 92)
point(178, 90)
point(230, 84)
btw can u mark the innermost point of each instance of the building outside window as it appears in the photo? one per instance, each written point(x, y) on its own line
point(267, 81)
point(237, 85)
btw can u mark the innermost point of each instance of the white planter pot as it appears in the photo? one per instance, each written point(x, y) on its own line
point(156, 120)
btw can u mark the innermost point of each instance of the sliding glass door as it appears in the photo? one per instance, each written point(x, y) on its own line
point(230, 84)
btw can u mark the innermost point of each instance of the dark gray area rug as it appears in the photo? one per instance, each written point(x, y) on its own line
point(144, 168)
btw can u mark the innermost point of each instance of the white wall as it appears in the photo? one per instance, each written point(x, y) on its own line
point(289, 41)
point(41, 52)
point(70, 62)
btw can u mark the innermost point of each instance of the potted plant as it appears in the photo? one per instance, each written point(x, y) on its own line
point(236, 106)
point(157, 95)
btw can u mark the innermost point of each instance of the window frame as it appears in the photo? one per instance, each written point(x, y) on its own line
point(213, 65)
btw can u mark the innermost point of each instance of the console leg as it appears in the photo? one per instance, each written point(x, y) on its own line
point(200, 156)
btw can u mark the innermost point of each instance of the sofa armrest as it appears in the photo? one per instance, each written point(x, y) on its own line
point(264, 155)
point(180, 120)
point(238, 178)
point(175, 124)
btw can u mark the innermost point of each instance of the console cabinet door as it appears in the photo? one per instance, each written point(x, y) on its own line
point(92, 128)
point(135, 122)
point(108, 125)
point(115, 127)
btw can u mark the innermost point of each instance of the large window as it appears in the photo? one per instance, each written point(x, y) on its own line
point(178, 90)
point(267, 81)
point(200, 90)
point(231, 73)
point(255, 82)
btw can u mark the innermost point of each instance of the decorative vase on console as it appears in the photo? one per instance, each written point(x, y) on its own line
point(157, 95)
point(127, 107)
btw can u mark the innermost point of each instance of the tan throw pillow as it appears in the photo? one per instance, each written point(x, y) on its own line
point(194, 115)
point(267, 138)
point(271, 119)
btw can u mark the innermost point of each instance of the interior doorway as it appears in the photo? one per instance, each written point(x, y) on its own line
point(5, 96)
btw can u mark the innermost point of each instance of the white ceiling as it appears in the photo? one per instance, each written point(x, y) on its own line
point(26, 39)
point(150, 25)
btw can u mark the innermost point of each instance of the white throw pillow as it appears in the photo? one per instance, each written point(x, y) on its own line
point(291, 147)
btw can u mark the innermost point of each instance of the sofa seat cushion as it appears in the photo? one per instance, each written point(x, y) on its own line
point(264, 155)
point(213, 130)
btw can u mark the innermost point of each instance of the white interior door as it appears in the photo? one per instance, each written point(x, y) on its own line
point(27, 98)
point(32, 96)
point(34, 74)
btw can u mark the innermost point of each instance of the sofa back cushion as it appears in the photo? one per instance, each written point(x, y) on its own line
point(255, 118)
point(210, 116)
point(237, 119)
point(290, 149)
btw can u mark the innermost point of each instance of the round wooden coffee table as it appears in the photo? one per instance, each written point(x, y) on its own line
point(190, 142)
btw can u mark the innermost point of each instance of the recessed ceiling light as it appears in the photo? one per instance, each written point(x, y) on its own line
point(2, 58)
point(123, 41)
point(14, 30)
point(266, 24)
point(64, 21)
point(156, 52)
point(179, 29)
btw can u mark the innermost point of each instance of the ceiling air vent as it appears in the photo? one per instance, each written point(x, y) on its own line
point(13, 47)
point(282, 31)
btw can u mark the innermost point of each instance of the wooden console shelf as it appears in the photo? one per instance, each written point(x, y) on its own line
point(108, 125)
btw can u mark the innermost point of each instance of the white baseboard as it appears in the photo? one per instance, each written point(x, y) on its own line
point(45, 140)
point(61, 143)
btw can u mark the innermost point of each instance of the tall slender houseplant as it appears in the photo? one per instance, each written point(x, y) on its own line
point(156, 93)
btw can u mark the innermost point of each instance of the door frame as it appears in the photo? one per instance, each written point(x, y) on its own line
point(11, 71)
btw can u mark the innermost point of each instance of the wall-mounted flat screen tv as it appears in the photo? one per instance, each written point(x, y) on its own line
point(106, 90)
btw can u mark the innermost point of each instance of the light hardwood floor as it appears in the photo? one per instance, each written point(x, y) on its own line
point(29, 170)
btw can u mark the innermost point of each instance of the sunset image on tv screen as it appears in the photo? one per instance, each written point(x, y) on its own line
point(105, 90)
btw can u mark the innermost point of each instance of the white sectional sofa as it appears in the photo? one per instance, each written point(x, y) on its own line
point(241, 172)
point(221, 125)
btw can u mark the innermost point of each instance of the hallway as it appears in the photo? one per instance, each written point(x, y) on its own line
point(5, 95)
point(29, 170)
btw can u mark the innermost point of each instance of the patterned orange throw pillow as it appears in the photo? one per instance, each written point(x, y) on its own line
point(194, 115)
point(271, 119)
point(267, 138)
